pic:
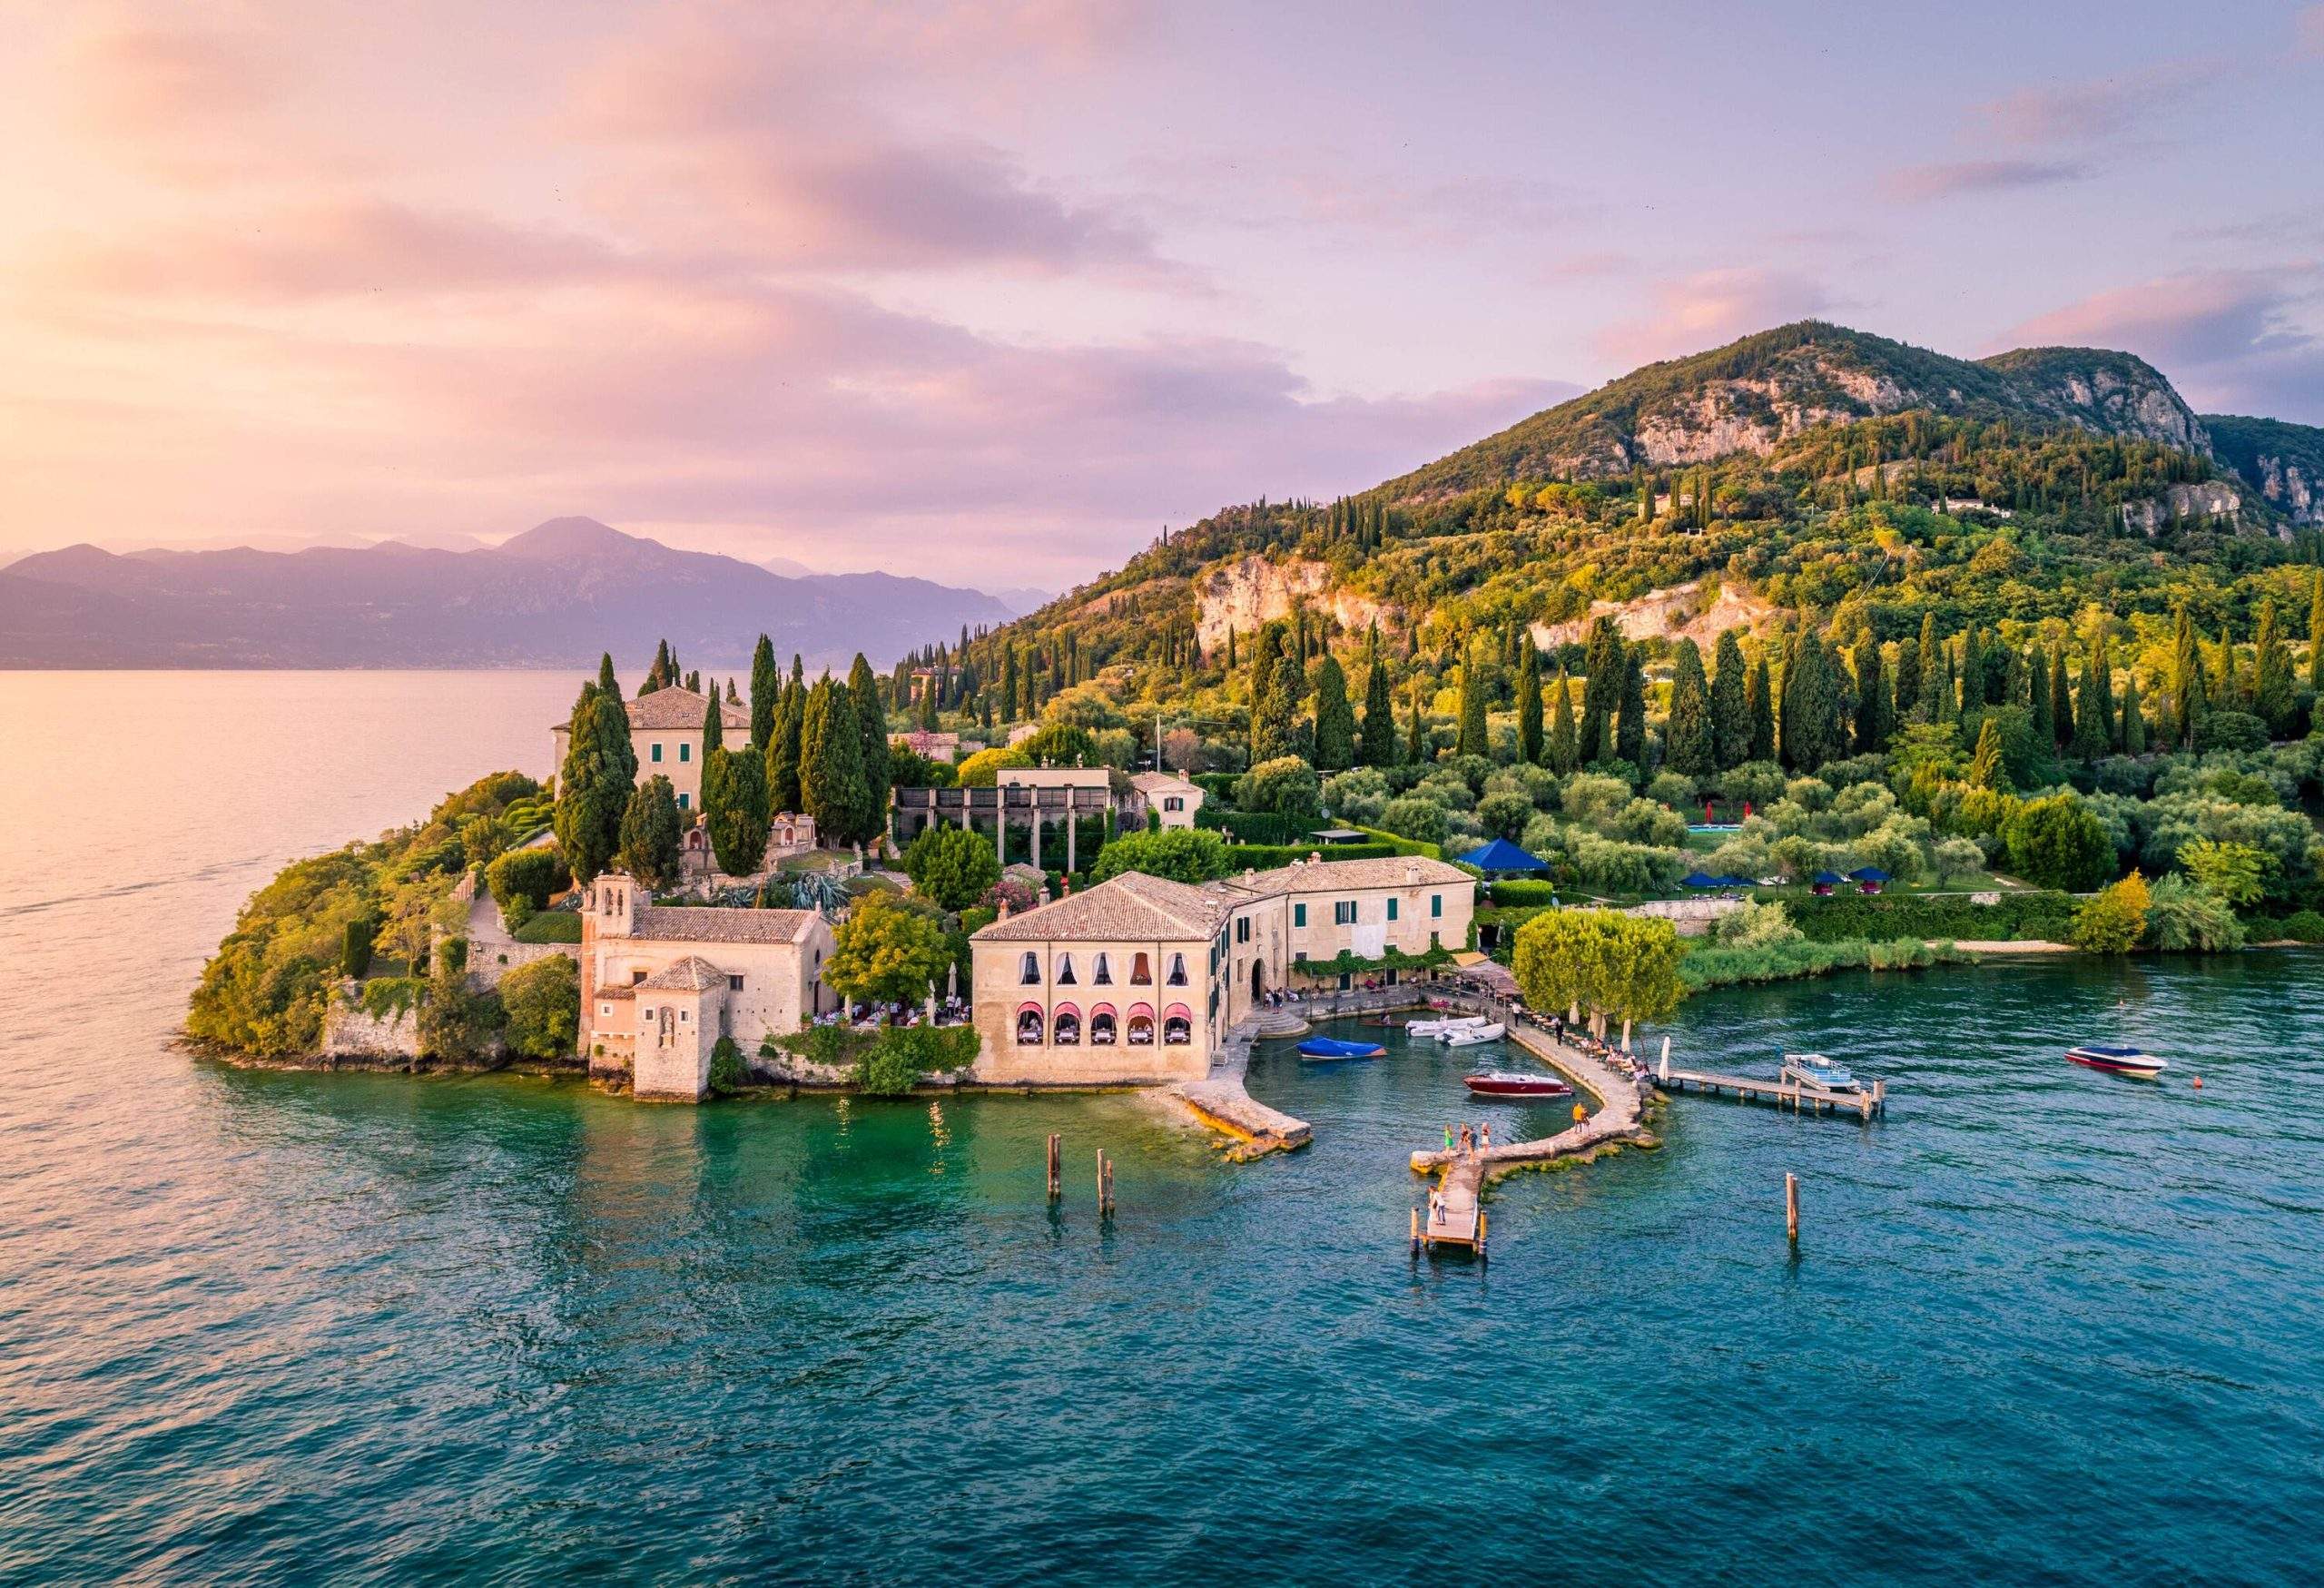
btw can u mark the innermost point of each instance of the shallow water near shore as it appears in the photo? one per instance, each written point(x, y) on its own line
point(2042, 1326)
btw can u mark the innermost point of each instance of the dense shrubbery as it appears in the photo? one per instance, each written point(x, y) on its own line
point(543, 1003)
point(2042, 916)
point(888, 1062)
point(1714, 966)
point(265, 990)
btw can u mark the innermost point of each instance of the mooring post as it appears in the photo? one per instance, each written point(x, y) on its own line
point(1057, 1166)
point(1791, 1207)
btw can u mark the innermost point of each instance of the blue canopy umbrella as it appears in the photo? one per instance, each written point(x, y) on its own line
point(1870, 874)
point(1502, 856)
point(1829, 879)
point(1738, 881)
point(1698, 880)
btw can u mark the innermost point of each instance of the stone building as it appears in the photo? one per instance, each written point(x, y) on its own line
point(666, 730)
point(660, 984)
point(1173, 799)
point(1138, 979)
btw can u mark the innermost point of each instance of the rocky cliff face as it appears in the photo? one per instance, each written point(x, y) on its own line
point(1752, 395)
point(1250, 591)
point(2216, 500)
point(2284, 463)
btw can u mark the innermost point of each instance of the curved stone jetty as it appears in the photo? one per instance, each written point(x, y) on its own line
point(1220, 1101)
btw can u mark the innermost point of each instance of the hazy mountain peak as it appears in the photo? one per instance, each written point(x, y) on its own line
point(572, 536)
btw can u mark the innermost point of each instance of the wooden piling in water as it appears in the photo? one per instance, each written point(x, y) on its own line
point(1791, 1207)
point(1104, 1186)
point(1057, 1166)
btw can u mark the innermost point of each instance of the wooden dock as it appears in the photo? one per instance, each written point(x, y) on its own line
point(1455, 1216)
point(1758, 1088)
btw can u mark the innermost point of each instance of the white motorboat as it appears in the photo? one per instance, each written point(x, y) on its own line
point(1437, 1028)
point(1815, 1070)
point(1470, 1036)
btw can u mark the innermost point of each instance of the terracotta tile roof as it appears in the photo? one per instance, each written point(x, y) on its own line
point(669, 710)
point(609, 992)
point(697, 923)
point(1162, 782)
point(691, 974)
point(1129, 908)
point(1394, 871)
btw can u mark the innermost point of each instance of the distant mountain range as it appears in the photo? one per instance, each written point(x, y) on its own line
point(554, 597)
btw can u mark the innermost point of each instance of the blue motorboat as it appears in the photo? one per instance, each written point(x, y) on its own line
point(1328, 1048)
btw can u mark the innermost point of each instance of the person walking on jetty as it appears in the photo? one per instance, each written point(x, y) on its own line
point(1448, 1138)
point(1485, 1131)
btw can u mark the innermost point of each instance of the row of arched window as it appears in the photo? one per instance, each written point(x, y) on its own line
point(1063, 1026)
point(1101, 975)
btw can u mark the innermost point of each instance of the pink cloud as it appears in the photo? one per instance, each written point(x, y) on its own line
point(2095, 110)
point(1693, 312)
point(756, 137)
point(1947, 179)
point(2231, 339)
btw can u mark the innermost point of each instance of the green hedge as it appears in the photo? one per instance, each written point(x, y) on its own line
point(1399, 845)
point(1882, 917)
point(1252, 826)
point(1518, 892)
point(550, 926)
point(1703, 967)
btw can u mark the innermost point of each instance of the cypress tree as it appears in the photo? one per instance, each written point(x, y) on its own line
point(2133, 726)
point(1973, 671)
point(658, 675)
point(651, 831)
point(1335, 717)
point(831, 763)
point(1601, 684)
point(1472, 740)
point(2061, 703)
point(734, 797)
point(2187, 683)
point(1565, 753)
point(783, 750)
point(693, 682)
point(594, 781)
point(1904, 683)
point(1416, 741)
point(1529, 702)
point(2043, 726)
point(1876, 714)
point(1687, 739)
point(1630, 730)
point(1378, 708)
point(1930, 705)
point(766, 692)
point(1986, 770)
point(2271, 675)
point(2092, 731)
point(1008, 683)
point(1762, 706)
point(872, 755)
point(1731, 705)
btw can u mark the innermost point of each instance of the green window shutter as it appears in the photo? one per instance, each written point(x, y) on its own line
point(1299, 915)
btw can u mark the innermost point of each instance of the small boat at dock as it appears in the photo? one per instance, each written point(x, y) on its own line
point(1470, 1036)
point(1815, 1070)
point(1509, 1083)
point(1437, 1028)
point(1327, 1050)
point(2115, 1059)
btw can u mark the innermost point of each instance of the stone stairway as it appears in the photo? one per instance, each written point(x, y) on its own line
point(1282, 1023)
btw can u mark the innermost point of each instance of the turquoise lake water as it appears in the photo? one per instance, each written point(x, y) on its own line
point(2042, 1326)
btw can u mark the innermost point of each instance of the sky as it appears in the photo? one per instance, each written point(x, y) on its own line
point(991, 293)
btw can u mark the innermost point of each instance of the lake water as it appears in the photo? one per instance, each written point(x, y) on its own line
point(2042, 1326)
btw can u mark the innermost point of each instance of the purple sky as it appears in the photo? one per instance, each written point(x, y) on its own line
point(990, 292)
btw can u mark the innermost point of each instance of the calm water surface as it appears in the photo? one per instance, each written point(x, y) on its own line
point(2042, 1326)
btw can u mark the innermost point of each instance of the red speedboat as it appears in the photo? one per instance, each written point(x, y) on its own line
point(1509, 1083)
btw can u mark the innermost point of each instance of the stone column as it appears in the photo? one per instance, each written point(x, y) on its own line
point(1069, 866)
point(1000, 821)
point(1037, 829)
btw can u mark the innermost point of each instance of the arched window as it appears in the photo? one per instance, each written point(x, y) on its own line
point(1102, 1032)
point(1141, 974)
point(1064, 1030)
point(1178, 970)
point(1028, 1026)
point(1028, 970)
point(1141, 1026)
point(1065, 970)
point(1105, 974)
point(1178, 1025)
